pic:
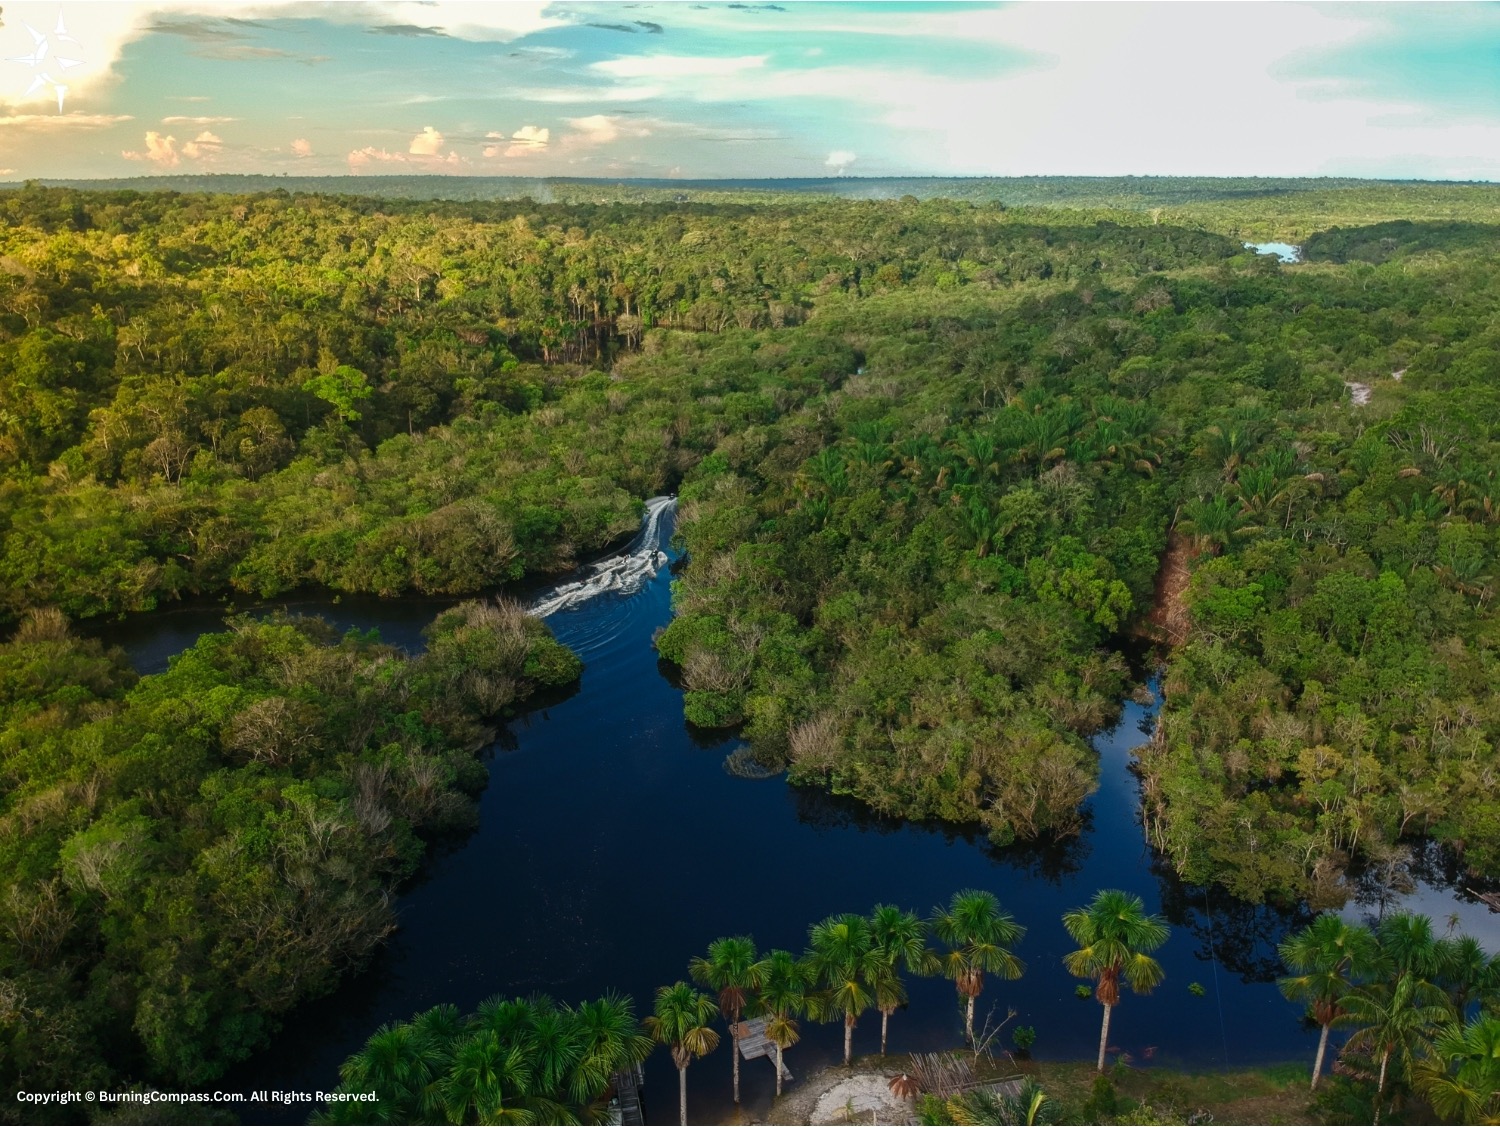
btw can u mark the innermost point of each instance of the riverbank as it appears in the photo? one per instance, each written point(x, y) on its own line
point(1271, 1094)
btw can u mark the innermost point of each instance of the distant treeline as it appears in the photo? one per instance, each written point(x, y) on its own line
point(1126, 192)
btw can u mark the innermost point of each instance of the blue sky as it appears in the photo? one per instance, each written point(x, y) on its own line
point(751, 89)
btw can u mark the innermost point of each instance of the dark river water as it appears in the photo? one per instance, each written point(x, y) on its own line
point(612, 846)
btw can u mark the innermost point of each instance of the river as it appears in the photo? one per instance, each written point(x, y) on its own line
point(612, 846)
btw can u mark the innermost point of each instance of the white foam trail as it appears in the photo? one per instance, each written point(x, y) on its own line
point(624, 574)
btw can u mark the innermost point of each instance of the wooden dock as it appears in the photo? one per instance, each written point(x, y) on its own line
point(755, 1044)
point(625, 1108)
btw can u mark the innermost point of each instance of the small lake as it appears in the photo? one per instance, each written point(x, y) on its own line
point(1286, 252)
point(613, 846)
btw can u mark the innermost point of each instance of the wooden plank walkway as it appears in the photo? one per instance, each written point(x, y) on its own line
point(627, 1102)
point(755, 1044)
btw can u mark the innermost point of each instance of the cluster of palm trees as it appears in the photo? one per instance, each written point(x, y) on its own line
point(855, 963)
point(515, 1060)
point(1425, 1011)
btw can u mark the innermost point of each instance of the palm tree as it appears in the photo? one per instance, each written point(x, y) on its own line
point(484, 1078)
point(900, 937)
point(842, 962)
point(610, 1041)
point(782, 998)
point(1115, 938)
point(979, 935)
point(398, 1065)
point(1407, 942)
point(1466, 972)
point(1212, 525)
point(553, 1043)
point(1394, 1020)
point(681, 1022)
point(1032, 1106)
point(1029, 1105)
point(732, 969)
point(1462, 1079)
point(1325, 959)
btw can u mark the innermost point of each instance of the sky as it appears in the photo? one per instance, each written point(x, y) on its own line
point(736, 90)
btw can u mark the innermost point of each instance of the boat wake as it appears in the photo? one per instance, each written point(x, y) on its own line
point(622, 574)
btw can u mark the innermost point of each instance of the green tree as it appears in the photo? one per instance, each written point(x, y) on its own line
point(1326, 958)
point(399, 1064)
point(979, 936)
point(681, 1021)
point(610, 1040)
point(1393, 1024)
point(782, 999)
point(900, 939)
point(1461, 1078)
point(733, 969)
point(487, 1082)
point(1115, 937)
point(341, 388)
point(842, 961)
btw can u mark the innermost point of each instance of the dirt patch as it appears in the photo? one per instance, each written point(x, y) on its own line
point(1168, 621)
point(842, 1095)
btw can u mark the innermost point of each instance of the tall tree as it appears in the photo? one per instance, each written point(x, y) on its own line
point(782, 998)
point(1115, 936)
point(900, 938)
point(609, 1041)
point(486, 1082)
point(398, 1064)
point(733, 969)
point(1466, 973)
point(842, 962)
point(681, 1020)
point(979, 936)
point(1394, 1021)
point(1326, 959)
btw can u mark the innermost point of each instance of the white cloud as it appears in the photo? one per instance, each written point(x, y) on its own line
point(358, 158)
point(202, 146)
point(103, 29)
point(526, 141)
point(162, 149)
point(678, 66)
point(602, 129)
point(485, 23)
point(840, 159)
point(302, 147)
point(428, 143)
point(51, 121)
point(178, 119)
point(97, 32)
point(1103, 93)
point(362, 158)
point(159, 150)
point(589, 95)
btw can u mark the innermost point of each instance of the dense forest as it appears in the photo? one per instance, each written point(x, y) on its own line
point(189, 855)
point(942, 465)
